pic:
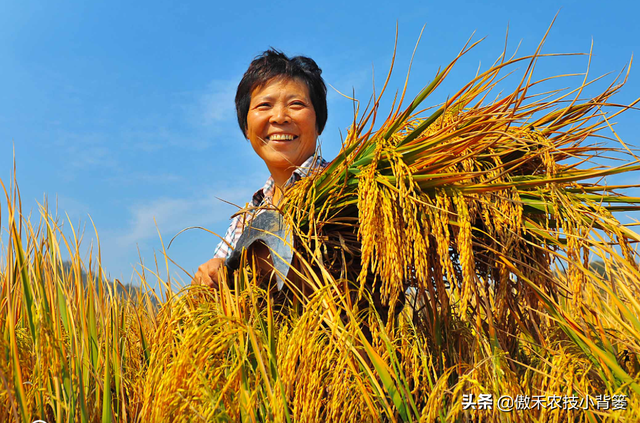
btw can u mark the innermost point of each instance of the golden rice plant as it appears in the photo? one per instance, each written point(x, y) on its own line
point(484, 215)
point(72, 350)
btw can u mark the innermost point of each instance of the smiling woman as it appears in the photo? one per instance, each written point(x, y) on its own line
point(281, 104)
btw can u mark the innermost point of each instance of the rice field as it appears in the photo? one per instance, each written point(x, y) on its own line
point(460, 263)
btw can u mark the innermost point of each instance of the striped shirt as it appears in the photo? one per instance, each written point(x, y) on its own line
point(262, 197)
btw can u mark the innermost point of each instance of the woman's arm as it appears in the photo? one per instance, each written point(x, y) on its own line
point(208, 273)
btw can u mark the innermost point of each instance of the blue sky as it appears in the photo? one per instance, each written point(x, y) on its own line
point(124, 112)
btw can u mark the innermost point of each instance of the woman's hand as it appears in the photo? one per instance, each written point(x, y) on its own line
point(208, 273)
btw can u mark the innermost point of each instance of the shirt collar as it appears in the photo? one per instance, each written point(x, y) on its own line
point(305, 169)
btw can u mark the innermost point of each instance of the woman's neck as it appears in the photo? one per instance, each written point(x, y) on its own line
point(281, 176)
point(277, 196)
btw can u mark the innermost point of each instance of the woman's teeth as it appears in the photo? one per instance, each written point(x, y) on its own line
point(281, 137)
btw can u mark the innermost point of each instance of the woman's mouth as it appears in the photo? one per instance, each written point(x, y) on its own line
point(281, 137)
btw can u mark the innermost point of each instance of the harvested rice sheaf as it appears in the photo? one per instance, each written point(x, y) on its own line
point(449, 204)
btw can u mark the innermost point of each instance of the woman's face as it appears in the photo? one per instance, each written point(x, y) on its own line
point(281, 124)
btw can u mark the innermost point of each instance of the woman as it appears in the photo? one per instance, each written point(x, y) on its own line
point(281, 104)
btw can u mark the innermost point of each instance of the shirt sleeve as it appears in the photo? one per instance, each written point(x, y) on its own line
point(223, 250)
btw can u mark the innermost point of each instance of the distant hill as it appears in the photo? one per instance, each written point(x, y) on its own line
point(123, 290)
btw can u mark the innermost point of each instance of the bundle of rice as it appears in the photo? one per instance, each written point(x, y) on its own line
point(469, 206)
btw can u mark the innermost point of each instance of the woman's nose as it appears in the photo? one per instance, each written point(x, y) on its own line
point(279, 114)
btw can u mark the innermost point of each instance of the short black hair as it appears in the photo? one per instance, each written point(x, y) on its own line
point(275, 64)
